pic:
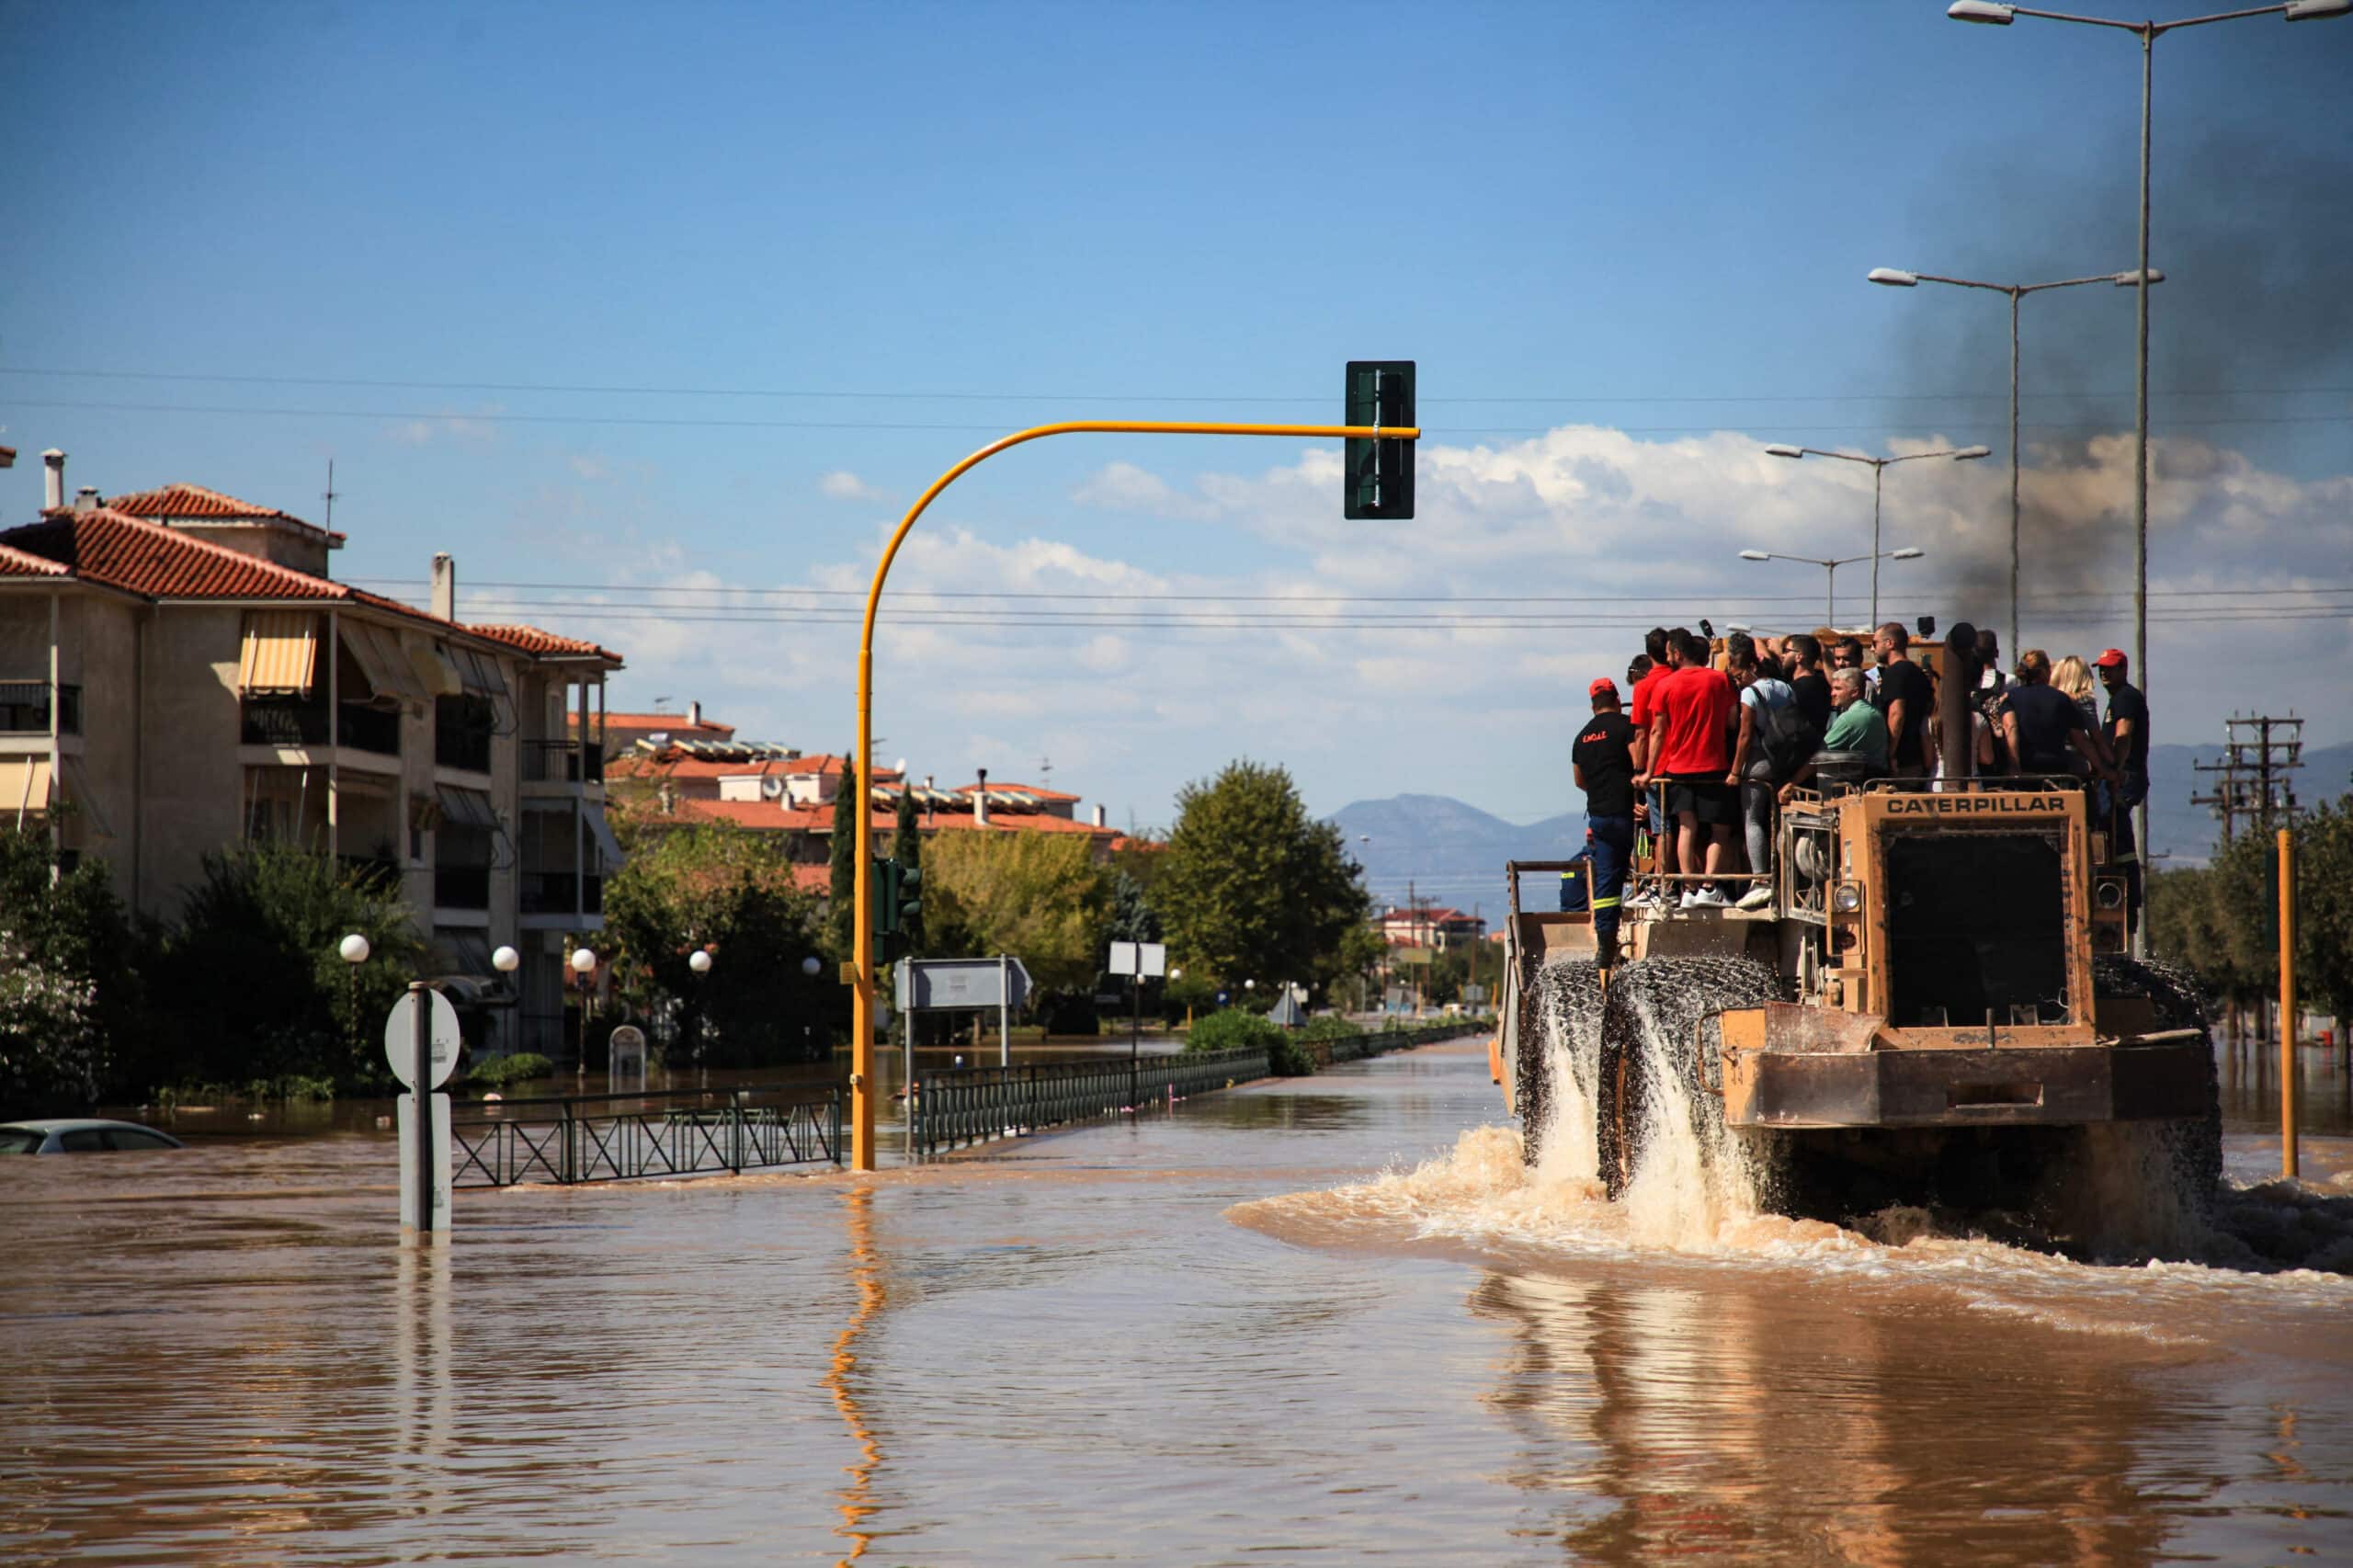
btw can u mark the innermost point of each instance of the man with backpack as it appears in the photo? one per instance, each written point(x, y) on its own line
point(1773, 741)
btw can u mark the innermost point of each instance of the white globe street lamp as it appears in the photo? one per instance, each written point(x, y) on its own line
point(811, 964)
point(505, 960)
point(583, 961)
point(699, 962)
point(354, 948)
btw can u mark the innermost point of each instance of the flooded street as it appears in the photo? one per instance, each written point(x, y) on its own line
point(1329, 1320)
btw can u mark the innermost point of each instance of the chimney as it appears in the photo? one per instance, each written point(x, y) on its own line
point(1099, 813)
point(981, 800)
point(445, 588)
point(693, 714)
point(86, 498)
point(53, 480)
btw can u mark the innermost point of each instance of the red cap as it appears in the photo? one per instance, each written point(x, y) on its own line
point(2112, 656)
point(1605, 687)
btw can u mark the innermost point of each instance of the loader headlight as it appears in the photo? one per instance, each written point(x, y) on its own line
point(1848, 898)
point(2109, 895)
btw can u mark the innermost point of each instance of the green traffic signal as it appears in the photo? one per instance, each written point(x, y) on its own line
point(1377, 476)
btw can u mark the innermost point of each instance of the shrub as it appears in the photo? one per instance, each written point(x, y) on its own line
point(1331, 1026)
point(513, 1069)
point(1237, 1029)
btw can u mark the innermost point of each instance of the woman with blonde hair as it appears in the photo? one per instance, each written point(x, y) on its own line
point(2073, 677)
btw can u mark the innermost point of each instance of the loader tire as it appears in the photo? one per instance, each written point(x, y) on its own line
point(2181, 1003)
point(1651, 1067)
point(1569, 994)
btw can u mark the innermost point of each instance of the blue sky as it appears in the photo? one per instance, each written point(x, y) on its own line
point(1626, 245)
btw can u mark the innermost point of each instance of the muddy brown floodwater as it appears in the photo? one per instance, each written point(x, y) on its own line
point(1326, 1321)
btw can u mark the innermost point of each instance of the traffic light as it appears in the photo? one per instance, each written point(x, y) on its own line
point(896, 898)
point(1377, 476)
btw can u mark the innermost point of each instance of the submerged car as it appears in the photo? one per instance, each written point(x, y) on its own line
point(80, 1136)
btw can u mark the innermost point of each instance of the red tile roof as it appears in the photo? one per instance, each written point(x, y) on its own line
point(1038, 789)
point(20, 564)
point(544, 644)
point(117, 551)
point(124, 552)
point(674, 723)
point(772, 816)
point(196, 502)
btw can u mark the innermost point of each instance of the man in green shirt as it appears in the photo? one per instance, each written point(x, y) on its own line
point(1854, 725)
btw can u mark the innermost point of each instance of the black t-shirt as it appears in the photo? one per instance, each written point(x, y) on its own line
point(1605, 755)
point(1813, 700)
point(2125, 702)
point(2045, 716)
point(1905, 682)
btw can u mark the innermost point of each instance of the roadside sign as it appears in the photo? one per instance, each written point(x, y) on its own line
point(400, 1040)
point(1145, 958)
point(935, 986)
point(407, 1124)
point(625, 1053)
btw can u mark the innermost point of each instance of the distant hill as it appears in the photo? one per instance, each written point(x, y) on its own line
point(1447, 850)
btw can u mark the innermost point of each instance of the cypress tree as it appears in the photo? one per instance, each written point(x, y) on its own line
point(849, 819)
point(906, 849)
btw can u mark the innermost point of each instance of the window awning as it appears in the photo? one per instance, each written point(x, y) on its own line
point(467, 808)
point(602, 831)
point(389, 673)
point(479, 672)
point(85, 799)
point(459, 949)
point(281, 655)
point(24, 788)
point(435, 666)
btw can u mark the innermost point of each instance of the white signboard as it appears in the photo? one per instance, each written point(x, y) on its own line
point(407, 1125)
point(625, 1053)
point(400, 1040)
point(930, 985)
point(1145, 958)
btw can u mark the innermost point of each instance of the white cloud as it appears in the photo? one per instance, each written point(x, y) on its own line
point(840, 484)
point(1549, 554)
point(478, 428)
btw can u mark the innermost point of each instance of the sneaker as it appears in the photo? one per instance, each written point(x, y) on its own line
point(1756, 897)
point(1642, 900)
point(1704, 898)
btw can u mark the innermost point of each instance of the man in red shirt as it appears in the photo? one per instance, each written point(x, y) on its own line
point(1660, 644)
point(1690, 749)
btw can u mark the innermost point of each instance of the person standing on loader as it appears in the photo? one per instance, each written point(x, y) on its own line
point(1774, 739)
point(1690, 749)
point(1602, 762)
point(2128, 747)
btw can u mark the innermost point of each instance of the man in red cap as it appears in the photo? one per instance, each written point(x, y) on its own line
point(1602, 761)
point(2127, 743)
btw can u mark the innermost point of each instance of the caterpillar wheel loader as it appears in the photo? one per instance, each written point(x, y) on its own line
point(1934, 1006)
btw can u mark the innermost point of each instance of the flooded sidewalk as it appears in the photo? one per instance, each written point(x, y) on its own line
point(1329, 1319)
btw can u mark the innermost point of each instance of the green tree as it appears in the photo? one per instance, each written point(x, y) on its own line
point(849, 819)
point(906, 849)
point(256, 986)
point(78, 1000)
point(1252, 886)
point(1036, 896)
point(1133, 918)
point(719, 890)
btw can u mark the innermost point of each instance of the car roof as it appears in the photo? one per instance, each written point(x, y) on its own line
point(67, 1124)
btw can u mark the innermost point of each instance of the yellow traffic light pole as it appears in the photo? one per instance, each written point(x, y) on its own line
point(861, 976)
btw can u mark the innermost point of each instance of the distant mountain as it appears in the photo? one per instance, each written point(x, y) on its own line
point(1438, 848)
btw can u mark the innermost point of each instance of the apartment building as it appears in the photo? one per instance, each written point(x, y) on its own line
point(180, 672)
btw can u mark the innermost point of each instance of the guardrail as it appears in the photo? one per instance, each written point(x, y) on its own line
point(579, 1138)
point(957, 1107)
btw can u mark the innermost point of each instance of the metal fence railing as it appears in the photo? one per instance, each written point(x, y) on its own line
point(957, 1107)
point(578, 1138)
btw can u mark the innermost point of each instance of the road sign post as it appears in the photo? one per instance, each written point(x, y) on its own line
point(1139, 961)
point(421, 1042)
point(861, 971)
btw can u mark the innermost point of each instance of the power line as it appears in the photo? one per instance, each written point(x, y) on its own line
point(671, 423)
point(845, 394)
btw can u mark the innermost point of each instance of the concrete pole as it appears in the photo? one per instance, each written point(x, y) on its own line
point(1879, 471)
point(2140, 465)
point(2015, 644)
point(420, 1005)
point(2288, 1162)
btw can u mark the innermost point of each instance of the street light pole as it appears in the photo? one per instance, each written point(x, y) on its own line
point(1830, 609)
point(1879, 469)
point(1995, 13)
point(1899, 279)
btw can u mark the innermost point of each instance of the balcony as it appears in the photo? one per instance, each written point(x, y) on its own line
point(25, 708)
point(461, 887)
point(562, 893)
point(294, 726)
point(562, 762)
point(462, 727)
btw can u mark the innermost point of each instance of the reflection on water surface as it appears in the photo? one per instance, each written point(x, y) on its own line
point(1065, 1350)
